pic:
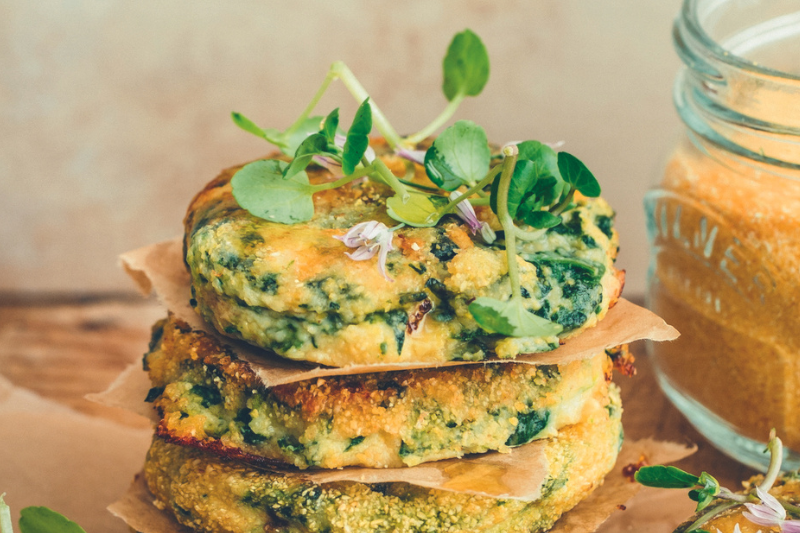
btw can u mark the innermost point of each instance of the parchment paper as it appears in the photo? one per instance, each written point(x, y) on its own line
point(138, 511)
point(160, 267)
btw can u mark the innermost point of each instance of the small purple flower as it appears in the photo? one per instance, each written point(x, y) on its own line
point(466, 212)
point(416, 156)
point(770, 513)
point(369, 238)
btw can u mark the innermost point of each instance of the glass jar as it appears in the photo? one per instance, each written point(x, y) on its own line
point(724, 228)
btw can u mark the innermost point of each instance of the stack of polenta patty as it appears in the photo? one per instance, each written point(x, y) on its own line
point(225, 440)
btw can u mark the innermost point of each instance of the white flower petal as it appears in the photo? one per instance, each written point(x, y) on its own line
point(791, 526)
point(762, 520)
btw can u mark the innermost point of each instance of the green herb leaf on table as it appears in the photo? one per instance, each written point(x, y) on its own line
point(420, 211)
point(260, 188)
point(665, 477)
point(510, 318)
point(44, 520)
point(461, 152)
point(5, 517)
point(574, 172)
point(314, 144)
point(357, 138)
point(466, 66)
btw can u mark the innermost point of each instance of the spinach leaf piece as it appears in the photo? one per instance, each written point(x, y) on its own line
point(528, 426)
point(357, 138)
point(665, 477)
point(44, 520)
point(461, 152)
point(259, 188)
point(576, 174)
point(510, 318)
point(314, 144)
point(466, 66)
point(420, 211)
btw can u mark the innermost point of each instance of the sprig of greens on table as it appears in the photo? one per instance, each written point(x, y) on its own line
point(705, 490)
point(528, 190)
point(37, 520)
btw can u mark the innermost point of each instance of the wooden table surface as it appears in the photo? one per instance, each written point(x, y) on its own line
point(64, 350)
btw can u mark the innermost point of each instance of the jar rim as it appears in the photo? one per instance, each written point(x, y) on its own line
point(690, 15)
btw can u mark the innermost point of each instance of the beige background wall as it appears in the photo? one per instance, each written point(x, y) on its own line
point(113, 113)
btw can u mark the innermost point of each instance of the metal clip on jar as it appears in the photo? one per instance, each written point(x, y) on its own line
point(724, 227)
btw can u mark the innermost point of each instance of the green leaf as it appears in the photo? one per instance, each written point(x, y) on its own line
point(293, 139)
point(330, 126)
point(522, 180)
point(540, 219)
point(440, 172)
point(466, 66)
point(595, 270)
point(463, 149)
point(259, 188)
point(420, 211)
point(665, 477)
point(510, 318)
point(271, 135)
point(357, 138)
point(5, 517)
point(44, 520)
point(576, 174)
point(315, 144)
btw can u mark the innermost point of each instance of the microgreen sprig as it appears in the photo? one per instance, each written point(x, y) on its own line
point(529, 191)
point(764, 509)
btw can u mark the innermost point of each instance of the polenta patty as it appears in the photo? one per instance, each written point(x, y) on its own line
point(213, 494)
point(292, 289)
point(209, 398)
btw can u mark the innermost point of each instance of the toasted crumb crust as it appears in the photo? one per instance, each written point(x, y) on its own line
point(292, 289)
point(209, 398)
point(212, 494)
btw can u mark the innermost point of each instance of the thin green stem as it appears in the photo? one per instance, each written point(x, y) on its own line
point(314, 101)
point(480, 201)
point(709, 515)
point(359, 173)
point(418, 186)
point(528, 236)
point(558, 209)
point(469, 192)
point(437, 123)
point(357, 90)
point(511, 153)
point(775, 447)
point(794, 509)
point(390, 179)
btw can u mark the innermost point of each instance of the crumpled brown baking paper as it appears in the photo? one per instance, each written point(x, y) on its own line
point(138, 511)
point(160, 267)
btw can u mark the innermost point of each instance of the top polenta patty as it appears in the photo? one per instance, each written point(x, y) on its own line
point(291, 288)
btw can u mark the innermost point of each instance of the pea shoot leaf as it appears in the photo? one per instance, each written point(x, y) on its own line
point(665, 477)
point(293, 139)
point(439, 170)
point(466, 66)
point(510, 318)
point(357, 138)
point(287, 141)
point(540, 219)
point(330, 126)
point(420, 211)
point(314, 144)
point(270, 135)
point(577, 175)
point(44, 520)
point(260, 188)
point(459, 152)
point(5, 517)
